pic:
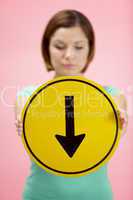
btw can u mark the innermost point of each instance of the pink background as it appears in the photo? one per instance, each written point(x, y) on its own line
point(22, 25)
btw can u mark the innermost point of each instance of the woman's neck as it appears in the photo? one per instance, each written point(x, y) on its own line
point(59, 75)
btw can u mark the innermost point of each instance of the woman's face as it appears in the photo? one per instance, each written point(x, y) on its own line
point(68, 50)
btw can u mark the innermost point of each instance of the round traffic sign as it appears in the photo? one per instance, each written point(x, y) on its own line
point(70, 126)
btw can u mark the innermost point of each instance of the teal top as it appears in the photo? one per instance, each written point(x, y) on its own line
point(41, 185)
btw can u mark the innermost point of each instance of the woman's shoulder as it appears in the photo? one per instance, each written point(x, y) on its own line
point(27, 90)
point(112, 90)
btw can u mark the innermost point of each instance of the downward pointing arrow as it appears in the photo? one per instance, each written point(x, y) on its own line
point(70, 142)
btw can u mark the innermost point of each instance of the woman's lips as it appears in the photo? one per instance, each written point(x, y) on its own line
point(69, 66)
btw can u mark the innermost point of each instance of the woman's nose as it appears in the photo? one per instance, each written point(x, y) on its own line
point(68, 53)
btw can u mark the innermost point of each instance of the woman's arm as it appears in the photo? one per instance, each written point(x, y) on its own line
point(19, 105)
point(121, 102)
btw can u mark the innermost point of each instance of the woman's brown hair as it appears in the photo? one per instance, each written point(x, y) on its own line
point(66, 19)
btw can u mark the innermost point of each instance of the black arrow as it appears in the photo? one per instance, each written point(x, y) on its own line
point(70, 142)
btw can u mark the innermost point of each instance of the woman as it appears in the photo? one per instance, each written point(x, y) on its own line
point(68, 47)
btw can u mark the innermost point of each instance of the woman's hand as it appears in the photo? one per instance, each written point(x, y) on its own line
point(19, 105)
point(19, 126)
point(123, 119)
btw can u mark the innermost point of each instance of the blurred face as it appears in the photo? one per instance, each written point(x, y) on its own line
point(68, 51)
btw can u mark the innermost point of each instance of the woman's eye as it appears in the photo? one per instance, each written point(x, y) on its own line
point(59, 47)
point(78, 48)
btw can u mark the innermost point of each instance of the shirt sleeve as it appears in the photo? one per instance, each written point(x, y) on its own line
point(113, 91)
point(23, 95)
point(26, 91)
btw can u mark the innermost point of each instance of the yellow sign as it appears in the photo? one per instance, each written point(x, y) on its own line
point(70, 126)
